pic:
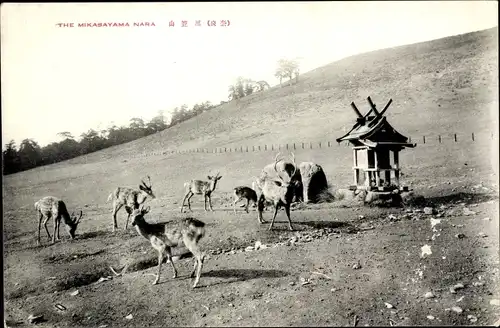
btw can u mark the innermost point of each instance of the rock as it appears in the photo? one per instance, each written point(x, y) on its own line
point(466, 211)
point(231, 305)
point(457, 309)
point(76, 292)
point(429, 295)
point(249, 249)
point(428, 210)
point(454, 289)
point(129, 317)
point(388, 305)
point(430, 317)
point(460, 235)
point(495, 302)
point(258, 244)
point(477, 283)
point(472, 318)
point(356, 266)
point(482, 234)
point(34, 319)
point(291, 283)
point(460, 299)
point(486, 219)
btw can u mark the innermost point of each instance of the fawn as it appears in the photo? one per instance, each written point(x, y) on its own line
point(243, 192)
point(164, 236)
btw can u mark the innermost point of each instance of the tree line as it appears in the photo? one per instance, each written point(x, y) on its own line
point(29, 154)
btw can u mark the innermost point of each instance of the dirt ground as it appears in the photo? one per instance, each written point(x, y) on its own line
point(346, 263)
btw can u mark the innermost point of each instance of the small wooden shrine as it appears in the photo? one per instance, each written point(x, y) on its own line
point(373, 140)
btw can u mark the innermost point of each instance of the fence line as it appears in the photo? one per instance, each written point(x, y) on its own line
point(423, 140)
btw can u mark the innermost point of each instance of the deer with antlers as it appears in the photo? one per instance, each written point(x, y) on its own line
point(130, 198)
point(198, 187)
point(50, 206)
point(278, 190)
point(164, 236)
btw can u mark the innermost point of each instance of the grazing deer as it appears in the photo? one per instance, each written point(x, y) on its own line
point(130, 198)
point(50, 206)
point(198, 187)
point(243, 192)
point(277, 190)
point(162, 237)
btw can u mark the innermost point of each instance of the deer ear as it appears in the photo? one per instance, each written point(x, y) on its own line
point(278, 183)
point(141, 187)
point(209, 177)
point(218, 178)
point(147, 209)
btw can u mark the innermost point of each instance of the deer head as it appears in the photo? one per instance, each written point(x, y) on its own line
point(138, 214)
point(71, 228)
point(213, 180)
point(286, 186)
point(147, 189)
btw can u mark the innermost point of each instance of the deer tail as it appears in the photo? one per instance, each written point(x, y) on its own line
point(110, 197)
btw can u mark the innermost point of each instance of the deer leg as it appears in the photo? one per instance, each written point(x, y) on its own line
point(276, 208)
point(129, 212)
point(210, 203)
point(205, 205)
point(248, 203)
point(160, 260)
point(116, 208)
point(287, 211)
point(169, 257)
point(184, 200)
point(260, 209)
point(39, 227)
point(55, 229)
point(45, 225)
point(192, 246)
point(58, 228)
point(189, 201)
point(195, 261)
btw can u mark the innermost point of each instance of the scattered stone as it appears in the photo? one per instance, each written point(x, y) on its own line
point(495, 302)
point(34, 319)
point(103, 326)
point(472, 318)
point(388, 305)
point(487, 219)
point(482, 234)
point(430, 317)
point(102, 279)
point(76, 292)
point(460, 235)
point(291, 283)
point(249, 249)
point(129, 317)
point(461, 299)
point(466, 211)
point(361, 216)
point(426, 250)
point(428, 210)
point(454, 289)
point(477, 283)
point(231, 305)
point(457, 309)
point(258, 244)
point(429, 295)
point(356, 266)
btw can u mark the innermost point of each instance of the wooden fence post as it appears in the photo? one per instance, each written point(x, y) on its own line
point(455, 136)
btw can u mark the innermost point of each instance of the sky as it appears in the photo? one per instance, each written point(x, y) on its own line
point(73, 79)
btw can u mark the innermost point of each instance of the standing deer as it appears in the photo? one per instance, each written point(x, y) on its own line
point(163, 237)
point(198, 187)
point(50, 206)
point(277, 190)
point(243, 192)
point(130, 198)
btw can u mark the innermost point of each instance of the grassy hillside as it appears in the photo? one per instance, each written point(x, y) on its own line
point(438, 87)
point(443, 85)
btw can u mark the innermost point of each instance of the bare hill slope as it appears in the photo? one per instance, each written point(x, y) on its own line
point(439, 86)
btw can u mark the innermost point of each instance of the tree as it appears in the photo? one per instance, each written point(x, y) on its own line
point(29, 154)
point(287, 68)
point(66, 135)
point(10, 158)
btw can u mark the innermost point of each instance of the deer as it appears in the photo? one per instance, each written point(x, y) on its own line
point(243, 192)
point(164, 236)
point(198, 187)
point(278, 191)
point(51, 206)
point(130, 198)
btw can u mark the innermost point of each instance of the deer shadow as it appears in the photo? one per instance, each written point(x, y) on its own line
point(468, 198)
point(237, 275)
point(92, 234)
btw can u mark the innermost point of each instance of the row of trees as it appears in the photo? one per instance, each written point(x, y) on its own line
point(29, 154)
